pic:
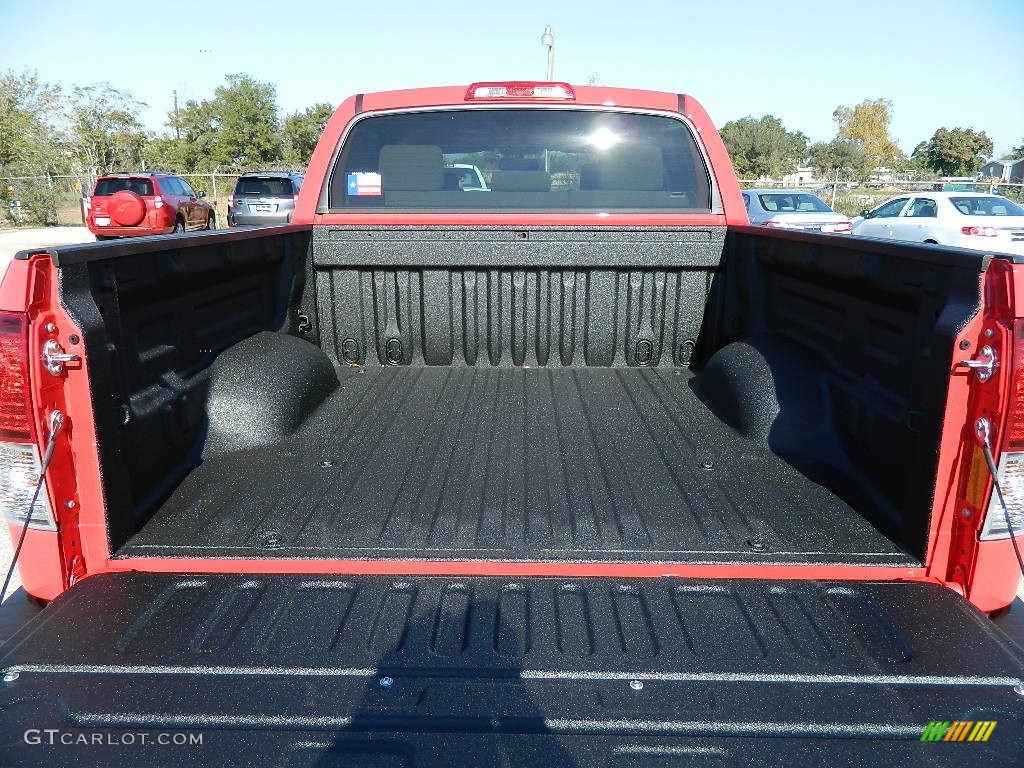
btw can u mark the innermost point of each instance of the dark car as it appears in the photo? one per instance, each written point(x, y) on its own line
point(132, 204)
point(264, 198)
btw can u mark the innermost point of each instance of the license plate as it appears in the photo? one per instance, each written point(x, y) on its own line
point(102, 221)
point(262, 208)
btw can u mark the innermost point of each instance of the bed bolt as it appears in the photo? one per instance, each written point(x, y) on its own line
point(636, 685)
point(386, 682)
point(989, 333)
point(70, 504)
point(73, 339)
point(272, 538)
point(965, 512)
point(50, 328)
point(10, 676)
point(707, 465)
point(327, 463)
point(965, 344)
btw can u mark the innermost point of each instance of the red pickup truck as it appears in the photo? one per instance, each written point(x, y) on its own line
point(577, 469)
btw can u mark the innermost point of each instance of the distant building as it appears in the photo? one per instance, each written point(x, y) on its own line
point(803, 177)
point(1006, 170)
point(882, 175)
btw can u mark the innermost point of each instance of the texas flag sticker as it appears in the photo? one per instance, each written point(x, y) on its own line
point(361, 183)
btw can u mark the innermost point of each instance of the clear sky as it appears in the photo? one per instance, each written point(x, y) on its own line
point(941, 63)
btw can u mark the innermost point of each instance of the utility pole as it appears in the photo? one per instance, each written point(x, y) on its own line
point(548, 40)
point(177, 131)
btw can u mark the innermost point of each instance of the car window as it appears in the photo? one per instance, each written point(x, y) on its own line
point(171, 186)
point(986, 206)
point(186, 189)
point(746, 200)
point(268, 186)
point(793, 202)
point(921, 207)
point(890, 209)
point(142, 187)
point(530, 158)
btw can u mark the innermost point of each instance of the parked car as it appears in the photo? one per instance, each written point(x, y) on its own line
point(133, 204)
point(264, 198)
point(793, 209)
point(965, 219)
point(465, 177)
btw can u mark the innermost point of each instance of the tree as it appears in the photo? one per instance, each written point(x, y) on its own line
point(762, 147)
point(301, 131)
point(1018, 152)
point(955, 152)
point(868, 123)
point(237, 128)
point(28, 110)
point(837, 158)
point(103, 132)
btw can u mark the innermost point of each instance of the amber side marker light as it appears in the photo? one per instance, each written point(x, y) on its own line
point(540, 91)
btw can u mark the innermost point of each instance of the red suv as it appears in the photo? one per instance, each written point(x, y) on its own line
point(127, 204)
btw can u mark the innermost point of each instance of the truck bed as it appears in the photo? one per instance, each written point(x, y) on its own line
point(587, 464)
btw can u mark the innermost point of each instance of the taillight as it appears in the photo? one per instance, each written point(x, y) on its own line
point(19, 457)
point(19, 475)
point(520, 90)
point(1011, 461)
point(231, 201)
point(980, 231)
point(158, 202)
point(15, 404)
point(843, 226)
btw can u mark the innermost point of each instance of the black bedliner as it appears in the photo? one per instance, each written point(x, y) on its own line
point(591, 464)
point(421, 671)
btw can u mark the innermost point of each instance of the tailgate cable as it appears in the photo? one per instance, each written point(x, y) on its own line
point(982, 429)
point(56, 423)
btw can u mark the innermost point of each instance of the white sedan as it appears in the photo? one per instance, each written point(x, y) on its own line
point(964, 219)
point(792, 209)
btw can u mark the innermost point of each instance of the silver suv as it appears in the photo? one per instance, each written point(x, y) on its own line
point(263, 198)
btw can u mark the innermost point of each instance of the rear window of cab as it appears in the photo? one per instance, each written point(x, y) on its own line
point(530, 158)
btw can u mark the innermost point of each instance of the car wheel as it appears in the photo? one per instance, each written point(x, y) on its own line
point(179, 226)
point(210, 223)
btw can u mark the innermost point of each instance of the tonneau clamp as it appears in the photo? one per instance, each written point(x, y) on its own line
point(984, 365)
point(55, 358)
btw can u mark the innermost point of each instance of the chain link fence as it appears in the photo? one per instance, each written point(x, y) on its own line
point(851, 198)
point(59, 200)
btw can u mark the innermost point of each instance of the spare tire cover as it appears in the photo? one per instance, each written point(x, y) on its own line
point(126, 208)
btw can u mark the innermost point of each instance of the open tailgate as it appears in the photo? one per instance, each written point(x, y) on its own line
point(383, 671)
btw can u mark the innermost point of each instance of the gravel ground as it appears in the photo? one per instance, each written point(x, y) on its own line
point(14, 240)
